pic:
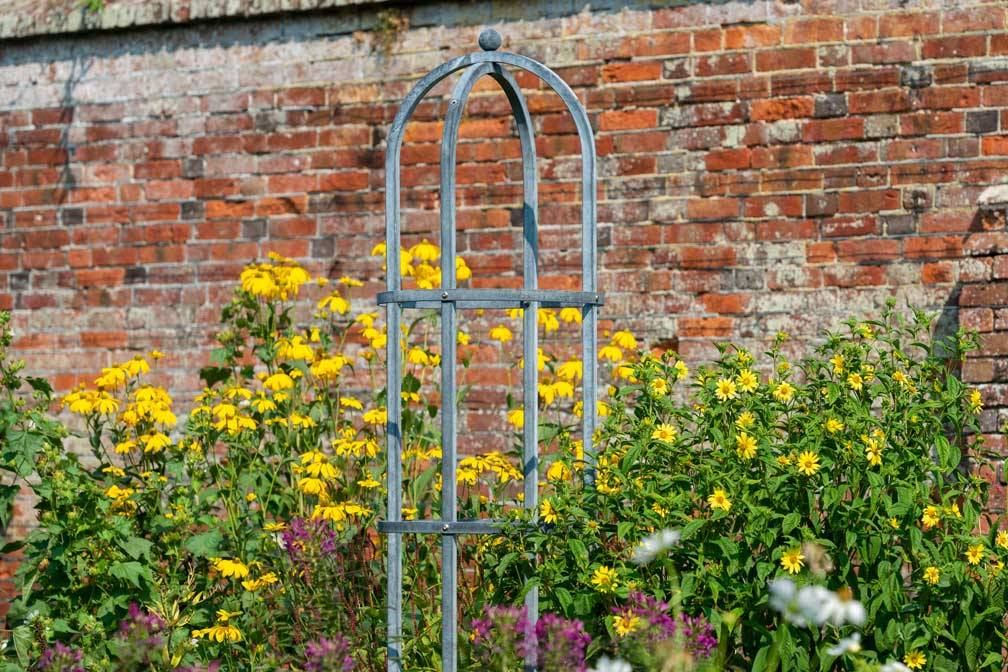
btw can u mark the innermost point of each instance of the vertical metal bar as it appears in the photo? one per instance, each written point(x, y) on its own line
point(589, 264)
point(393, 402)
point(449, 402)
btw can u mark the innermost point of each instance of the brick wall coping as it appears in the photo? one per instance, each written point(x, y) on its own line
point(29, 18)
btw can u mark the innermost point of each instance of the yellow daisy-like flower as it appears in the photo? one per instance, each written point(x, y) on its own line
point(784, 391)
point(252, 585)
point(570, 315)
point(725, 389)
point(501, 334)
point(975, 402)
point(658, 387)
point(745, 420)
point(719, 500)
point(625, 340)
point(278, 381)
point(347, 281)
point(855, 381)
point(682, 371)
point(425, 251)
point(931, 517)
point(833, 426)
point(376, 416)
point(558, 471)
point(605, 579)
point(517, 418)
point(837, 361)
point(974, 554)
point(1002, 539)
point(334, 303)
point(155, 442)
point(873, 451)
point(223, 630)
point(915, 660)
point(626, 623)
point(611, 353)
point(792, 561)
point(747, 380)
point(275, 527)
point(664, 432)
point(931, 575)
point(570, 370)
point(230, 568)
point(808, 463)
point(547, 512)
point(745, 446)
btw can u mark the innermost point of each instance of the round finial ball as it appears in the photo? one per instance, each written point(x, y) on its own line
point(490, 40)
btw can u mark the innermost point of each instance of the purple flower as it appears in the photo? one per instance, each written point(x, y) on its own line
point(694, 633)
point(503, 636)
point(138, 640)
point(60, 658)
point(328, 655)
point(308, 541)
point(562, 644)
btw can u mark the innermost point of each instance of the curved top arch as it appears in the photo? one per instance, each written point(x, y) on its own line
point(574, 107)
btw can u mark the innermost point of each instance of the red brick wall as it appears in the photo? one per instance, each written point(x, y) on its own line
point(763, 166)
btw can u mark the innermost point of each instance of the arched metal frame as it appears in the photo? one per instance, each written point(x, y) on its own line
point(449, 299)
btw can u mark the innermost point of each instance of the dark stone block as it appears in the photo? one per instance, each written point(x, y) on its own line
point(830, 105)
point(136, 275)
point(982, 121)
point(916, 76)
point(254, 229)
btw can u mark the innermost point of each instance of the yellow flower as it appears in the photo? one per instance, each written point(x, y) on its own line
point(295, 348)
point(975, 402)
point(571, 370)
point(558, 471)
point(463, 338)
point(784, 391)
point(745, 420)
point(570, 315)
point(547, 512)
point(376, 416)
point(312, 486)
point(833, 426)
point(1002, 538)
point(719, 500)
point(664, 432)
point(418, 356)
point(855, 382)
point(745, 446)
point(837, 361)
point(915, 660)
point(747, 380)
point(222, 631)
point(548, 320)
point(230, 568)
point(626, 623)
point(252, 585)
point(873, 451)
point(792, 561)
point(931, 517)
point(658, 387)
point(501, 334)
point(808, 463)
point(611, 353)
point(625, 340)
point(155, 442)
point(462, 271)
point(125, 446)
point(894, 523)
point(425, 251)
point(974, 554)
point(605, 579)
point(725, 389)
point(278, 381)
point(275, 527)
point(682, 371)
point(334, 303)
point(517, 418)
point(931, 575)
point(347, 281)
point(409, 513)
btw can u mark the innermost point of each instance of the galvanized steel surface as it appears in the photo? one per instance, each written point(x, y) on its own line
point(449, 299)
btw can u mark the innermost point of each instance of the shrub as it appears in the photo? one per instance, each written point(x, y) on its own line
point(845, 466)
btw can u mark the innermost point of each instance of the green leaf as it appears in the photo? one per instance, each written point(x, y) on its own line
point(791, 521)
point(212, 375)
point(39, 385)
point(131, 571)
point(22, 636)
point(21, 450)
point(204, 545)
point(135, 547)
point(578, 550)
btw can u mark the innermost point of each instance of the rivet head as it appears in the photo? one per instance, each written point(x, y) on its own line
point(445, 527)
point(490, 40)
point(444, 295)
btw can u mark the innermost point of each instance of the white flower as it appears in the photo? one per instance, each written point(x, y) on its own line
point(850, 644)
point(894, 666)
point(814, 605)
point(654, 545)
point(611, 665)
point(783, 598)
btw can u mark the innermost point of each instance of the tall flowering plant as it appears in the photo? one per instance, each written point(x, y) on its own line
point(855, 450)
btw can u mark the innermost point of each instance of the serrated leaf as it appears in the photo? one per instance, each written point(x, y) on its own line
point(204, 545)
point(135, 547)
point(130, 571)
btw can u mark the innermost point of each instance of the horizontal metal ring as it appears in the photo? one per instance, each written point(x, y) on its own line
point(491, 298)
point(439, 527)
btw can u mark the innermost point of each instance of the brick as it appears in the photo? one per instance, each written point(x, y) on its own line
point(974, 19)
point(722, 64)
point(631, 72)
point(712, 208)
point(747, 36)
point(829, 130)
point(781, 108)
point(884, 52)
point(967, 46)
point(909, 24)
point(628, 120)
point(815, 30)
point(830, 105)
point(785, 59)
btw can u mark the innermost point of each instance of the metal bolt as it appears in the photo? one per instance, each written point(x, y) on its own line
point(444, 295)
point(445, 527)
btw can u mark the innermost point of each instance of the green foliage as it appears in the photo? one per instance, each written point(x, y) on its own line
point(850, 460)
